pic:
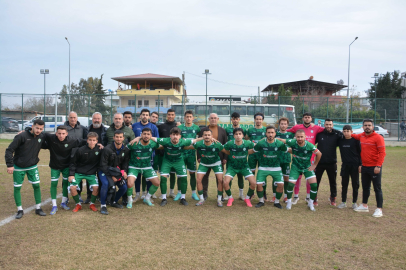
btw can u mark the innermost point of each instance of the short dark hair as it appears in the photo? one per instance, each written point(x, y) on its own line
point(189, 112)
point(238, 129)
point(147, 129)
point(128, 112)
point(328, 120)
point(170, 110)
point(260, 114)
point(155, 113)
point(283, 119)
point(92, 135)
point(118, 131)
point(62, 128)
point(368, 120)
point(347, 127)
point(145, 110)
point(270, 127)
point(175, 130)
point(300, 131)
point(307, 114)
point(235, 115)
point(206, 129)
point(38, 122)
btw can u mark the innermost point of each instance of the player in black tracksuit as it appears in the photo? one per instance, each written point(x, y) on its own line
point(327, 142)
point(60, 146)
point(21, 159)
point(350, 150)
point(84, 164)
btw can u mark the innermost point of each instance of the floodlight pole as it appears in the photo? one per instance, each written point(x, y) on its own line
point(44, 71)
point(206, 71)
point(348, 87)
point(69, 76)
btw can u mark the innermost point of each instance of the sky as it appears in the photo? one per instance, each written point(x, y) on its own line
point(250, 43)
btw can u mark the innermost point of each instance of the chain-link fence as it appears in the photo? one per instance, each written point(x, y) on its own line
point(17, 110)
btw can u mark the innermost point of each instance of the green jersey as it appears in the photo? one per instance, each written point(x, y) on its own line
point(230, 130)
point(256, 134)
point(301, 154)
point(173, 152)
point(269, 153)
point(285, 157)
point(209, 153)
point(189, 133)
point(238, 153)
point(141, 154)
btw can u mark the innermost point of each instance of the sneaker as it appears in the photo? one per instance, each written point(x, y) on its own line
point(53, 210)
point(311, 207)
point(342, 205)
point(219, 204)
point(278, 205)
point(285, 200)
point(93, 207)
point(195, 197)
point(130, 204)
point(20, 214)
point(361, 208)
point(148, 202)
point(200, 203)
point(161, 196)
point(39, 212)
point(144, 193)
point(80, 199)
point(288, 205)
point(225, 198)
point(354, 205)
point(177, 197)
point(259, 205)
point(116, 205)
point(242, 197)
point(273, 199)
point(230, 201)
point(136, 198)
point(172, 195)
point(164, 202)
point(154, 197)
point(333, 201)
point(77, 208)
point(183, 202)
point(104, 211)
point(248, 202)
point(295, 200)
point(87, 201)
point(377, 213)
point(65, 206)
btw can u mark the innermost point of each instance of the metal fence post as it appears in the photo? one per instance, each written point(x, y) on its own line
point(88, 109)
point(1, 127)
point(205, 115)
point(398, 119)
point(159, 103)
point(111, 107)
point(375, 112)
point(230, 110)
point(22, 107)
point(183, 109)
point(279, 106)
point(351, 111)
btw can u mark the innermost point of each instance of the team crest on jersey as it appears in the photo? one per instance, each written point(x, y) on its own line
point(244, 149)
point(180, 148)
point(150, 149)
point(66, 145)
point(97, 153)
point(194, 131)
point(276, 148)
point(214, 150)
point(311, 131)
point(263, 133)
point(305, 151)
point(122, 154)
point(39, 140)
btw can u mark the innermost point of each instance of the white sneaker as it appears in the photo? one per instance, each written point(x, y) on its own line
point(172, 195)
point(154, 197)
point(136, 198)
point(242, 197)
point(354, 205)
point(226, 197)
point(288, 205)
point(377, 213)
point(295, 200)
point(311, 207)
point(143, 195)
point(361, 208)
point(342, 205)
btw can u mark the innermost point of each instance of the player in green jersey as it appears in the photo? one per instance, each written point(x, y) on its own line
point(189, 131)
point(238, 150)
point(210, 158)
point(302, 151)
point(269, 151)
point(285, 158)
point(140, 163)
point(235, 120)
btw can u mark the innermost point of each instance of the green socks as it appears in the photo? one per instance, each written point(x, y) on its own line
point(93, 198)
point(193, 181)
point(240, 181)
point(65, 184)
point(163, 185)
point(285, 187)
point(219, 193)
point(76, 198)
point(17, 195)
point(274, 186)
point(278, 195)
point(182, 181)
point(144, 183)
point(172, 180)
point(260, 194)
point(289, 190)
point(250, 192)
point(313, 191)
point(54, 186)
point(129, 192)
point(200, 192)
point(228, 192)
point(37, 193)
point(152, 190)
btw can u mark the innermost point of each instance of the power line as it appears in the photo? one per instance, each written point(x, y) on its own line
point(241, 85)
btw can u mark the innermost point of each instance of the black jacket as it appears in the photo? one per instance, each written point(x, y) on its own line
point(61, 150)
point(25, 148)
point(103, 135)
point(110, 158)
point(327, 143)
point(85, 160)
point(77, 132)
point(164, 131)
point(350, 150)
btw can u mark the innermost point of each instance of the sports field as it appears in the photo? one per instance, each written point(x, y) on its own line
point(207, 237)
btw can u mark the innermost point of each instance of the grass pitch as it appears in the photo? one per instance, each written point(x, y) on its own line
point(207, 237)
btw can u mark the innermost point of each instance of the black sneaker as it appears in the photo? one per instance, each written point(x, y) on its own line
point(39, 212)
point(20, 214)
point(183, 202)
point(116, 205)
point(103, 210)
point(260, 204)
point(278, 205)
point(164, 202)
point(87, 201)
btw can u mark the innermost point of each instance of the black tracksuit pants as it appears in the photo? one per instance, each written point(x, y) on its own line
point(347, 171)
point(331, 170)
point(368, 176)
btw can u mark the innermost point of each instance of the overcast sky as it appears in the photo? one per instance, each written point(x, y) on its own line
point(253, 43)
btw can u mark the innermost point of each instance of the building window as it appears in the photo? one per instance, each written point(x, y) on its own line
point(131, 102)
point(159, 103)
point(146, 103)
point(139, 103)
